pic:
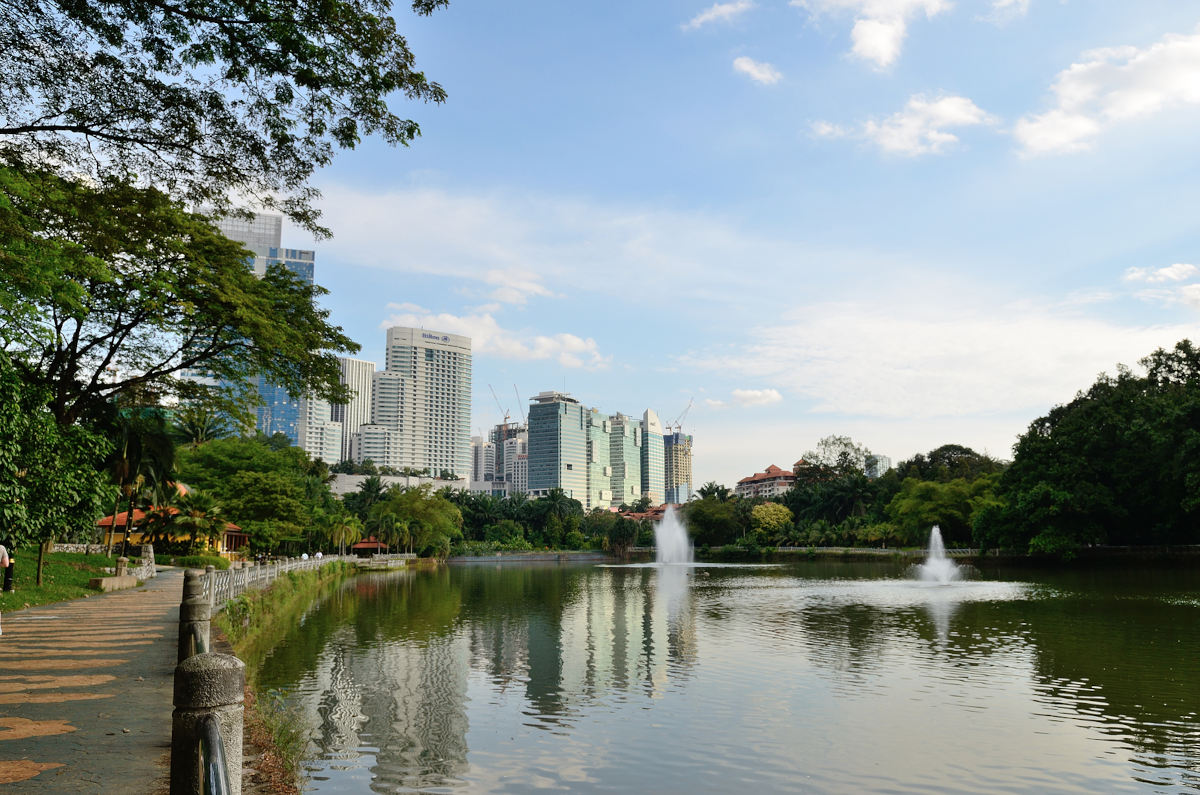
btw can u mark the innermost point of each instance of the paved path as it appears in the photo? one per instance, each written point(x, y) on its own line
point(85, 692)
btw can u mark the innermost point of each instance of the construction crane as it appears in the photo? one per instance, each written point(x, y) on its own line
point(520, 405)
point(503, 410)
point(677, 423)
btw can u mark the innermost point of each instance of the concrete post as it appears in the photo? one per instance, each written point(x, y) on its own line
point(193, 586)
point(194, 614)
point(122, 566)
point(211, 573)
point(206, 684)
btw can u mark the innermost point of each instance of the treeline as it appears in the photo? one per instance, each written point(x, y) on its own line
point(1118, 465)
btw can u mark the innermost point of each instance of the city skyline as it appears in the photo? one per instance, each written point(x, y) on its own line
point(930, 236)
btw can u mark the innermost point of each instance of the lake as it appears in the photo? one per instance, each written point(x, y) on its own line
point(810, 677)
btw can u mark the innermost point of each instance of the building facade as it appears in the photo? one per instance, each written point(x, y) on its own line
point(625, 453)
point(653, 465)
point(557, 446)
point(677, 466)
point(320, 435)
point(279, 412)
point(359, 377)
point(771, 482)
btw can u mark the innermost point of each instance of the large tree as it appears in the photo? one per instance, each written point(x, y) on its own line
point(1119, 464)
point(109, 290)
point(206, 99)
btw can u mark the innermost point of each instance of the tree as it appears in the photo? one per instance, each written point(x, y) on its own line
point(207, 98)
point(714, 490)
point(771, 520)
point(948, 462)
point(200, 518)
point(50, 486)
point(269, 506)
point(430, 520)
point(195, 425)
point(142, 461)
point(1119, 464)
point(109, 290)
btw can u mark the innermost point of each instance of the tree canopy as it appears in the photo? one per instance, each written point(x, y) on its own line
point(111, 290)
point(206, 99)
point(1120, 464)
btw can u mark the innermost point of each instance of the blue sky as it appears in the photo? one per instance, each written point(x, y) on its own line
point(913, 222)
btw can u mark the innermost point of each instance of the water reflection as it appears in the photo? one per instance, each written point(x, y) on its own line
point(505, 678)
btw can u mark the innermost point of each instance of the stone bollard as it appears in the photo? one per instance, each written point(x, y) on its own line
point(148, 558)
point(193, 586)
point(194, 614)
point(206, 685)
point(122, 566)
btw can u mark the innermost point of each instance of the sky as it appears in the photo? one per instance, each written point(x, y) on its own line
point(911, 222)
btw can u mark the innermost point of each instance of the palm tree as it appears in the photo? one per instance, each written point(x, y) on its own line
point(345, 530)
point(200, 518)
point(715, 490)
point(143, 460)
point(195, 425)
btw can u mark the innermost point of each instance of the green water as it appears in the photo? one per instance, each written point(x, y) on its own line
point(817, 677)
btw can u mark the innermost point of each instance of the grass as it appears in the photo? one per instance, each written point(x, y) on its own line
point(65, 576)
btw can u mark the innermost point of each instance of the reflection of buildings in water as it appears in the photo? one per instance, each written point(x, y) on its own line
point(406, 702)
point(625, 627)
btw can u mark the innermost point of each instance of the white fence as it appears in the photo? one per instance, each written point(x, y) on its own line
point(222, 585)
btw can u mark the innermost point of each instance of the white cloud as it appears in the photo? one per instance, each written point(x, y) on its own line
point(1172, 273)
point(921, 128)
point(720, 12)
point(1007, 10)
point(756, 397)
point(758, 72)
point(903, 360)
point(880, 26)
point(715, 404)
point(1114, 85)
point(489, 338)
point(515, 285)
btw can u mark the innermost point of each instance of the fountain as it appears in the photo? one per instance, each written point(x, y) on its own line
point(671, 540)
point(938, 568)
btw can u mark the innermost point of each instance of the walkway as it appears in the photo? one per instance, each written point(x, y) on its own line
point(85, 692)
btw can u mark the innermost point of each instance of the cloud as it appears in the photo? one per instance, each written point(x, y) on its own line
point(1172, 273)
point(720, 12)
point(758, 72)
point(715, 404)
point(489, 338)
point(921, 128)
point(756, 397)
point(1007, 10)
point(515, 285)
point(1113, 85)
point(907, 360)
point(880, 26)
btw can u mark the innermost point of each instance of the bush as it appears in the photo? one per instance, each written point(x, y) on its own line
point(201, 561)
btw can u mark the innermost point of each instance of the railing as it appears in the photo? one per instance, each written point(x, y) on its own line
point(214, 778)
point(222, 585)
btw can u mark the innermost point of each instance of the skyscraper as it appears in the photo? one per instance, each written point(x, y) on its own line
point(677, 459)
point(423, 399)
point(625, 453)
point(653, 476)
point(320, 434)
point(359, 376)
point(557, 446)
point(279, 412)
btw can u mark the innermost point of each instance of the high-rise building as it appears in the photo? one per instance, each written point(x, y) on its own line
point(424, 396)
point(359, 377)
point(320, 435)
point(599, 460)
point(653, 474)
point(279, 412)
point(483, 460)
point(516, 463)
point(557, 446)
point(677, 459)
point(877, 465)
point(625, 455)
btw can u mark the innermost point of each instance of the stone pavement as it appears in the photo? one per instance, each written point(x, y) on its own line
point(85, 692)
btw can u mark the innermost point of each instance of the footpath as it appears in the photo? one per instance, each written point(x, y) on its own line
point(86, 689)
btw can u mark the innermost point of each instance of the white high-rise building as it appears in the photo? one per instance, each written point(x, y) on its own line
point(424, 397)
point(483, 460)
point(359, 376)
point(320, 435)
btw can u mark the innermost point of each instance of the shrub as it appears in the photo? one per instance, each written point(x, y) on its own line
point(201, 561)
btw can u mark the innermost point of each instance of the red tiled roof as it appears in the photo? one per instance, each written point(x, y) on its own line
point(772, 473)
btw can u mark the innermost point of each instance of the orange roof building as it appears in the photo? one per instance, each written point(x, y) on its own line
point(772, 482)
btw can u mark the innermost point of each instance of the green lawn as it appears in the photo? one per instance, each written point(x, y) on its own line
point(65, 575)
